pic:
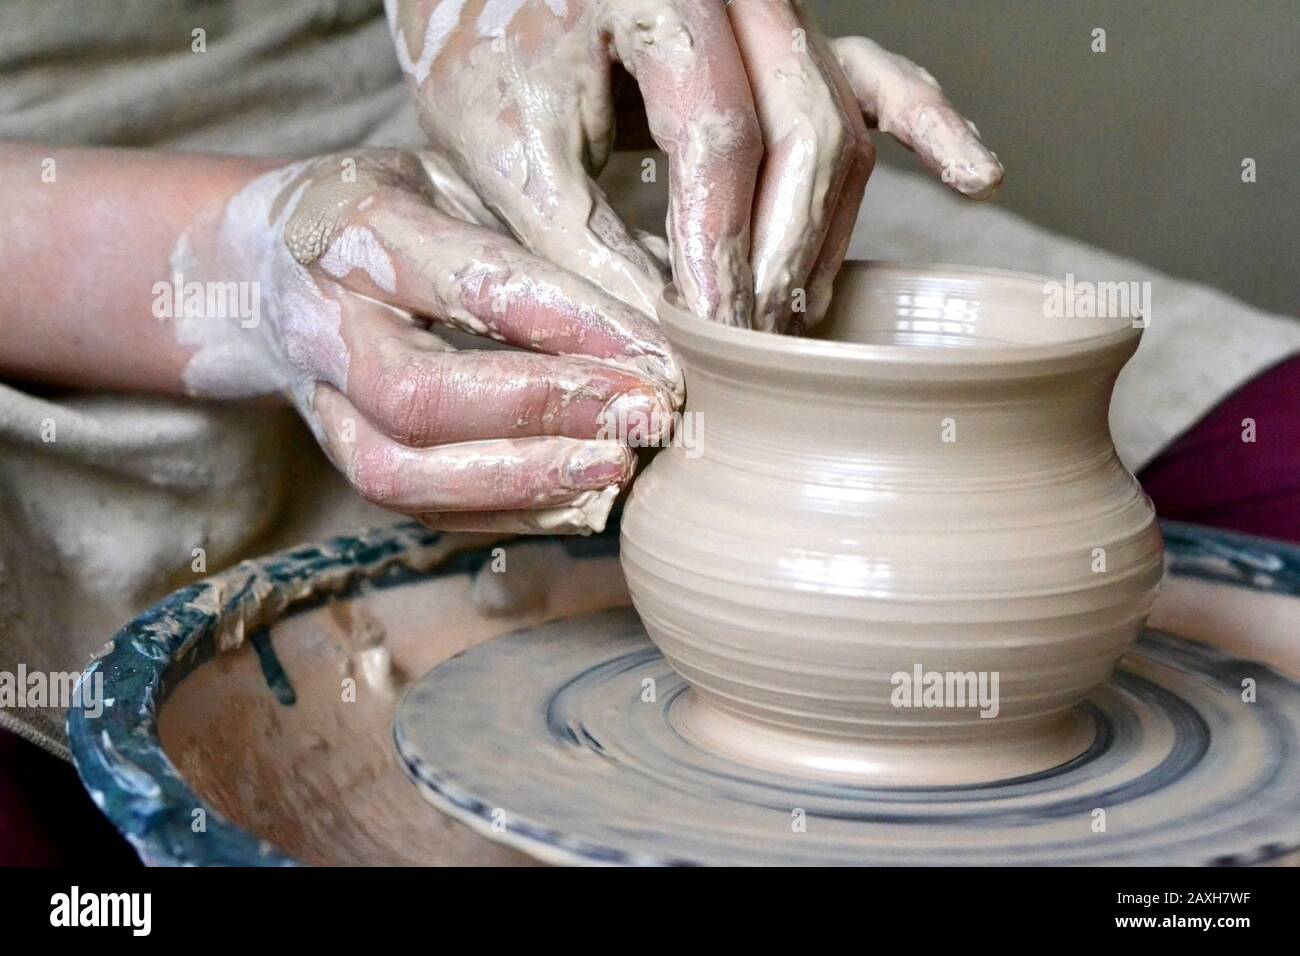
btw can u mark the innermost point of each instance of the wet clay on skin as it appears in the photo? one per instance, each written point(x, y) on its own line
point(535, 77)
point(525, 71)
point(329, 242)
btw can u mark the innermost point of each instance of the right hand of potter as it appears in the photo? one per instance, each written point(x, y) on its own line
point(353, 257)
point(758, 113)
point(517, 97)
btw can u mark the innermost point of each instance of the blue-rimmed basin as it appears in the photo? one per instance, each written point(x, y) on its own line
point(251, 712)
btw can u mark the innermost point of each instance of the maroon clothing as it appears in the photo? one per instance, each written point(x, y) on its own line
point(46, 816)
point(1212, 476)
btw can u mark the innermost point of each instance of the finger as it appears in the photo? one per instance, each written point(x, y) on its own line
point(586, 513)
point(493, 475)
point(455, 197)
point(569, 220)
point(839, 232)
point(904, 100)
point(481, 282)
point(420, 392)
point(657, 246)
point(520, 108)
point(835, 247)
point(813, 136)
point(701, 113)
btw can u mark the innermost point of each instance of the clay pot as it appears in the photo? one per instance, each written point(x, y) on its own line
point(925, 487)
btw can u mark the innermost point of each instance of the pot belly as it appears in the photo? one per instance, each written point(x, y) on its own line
point(843, 633)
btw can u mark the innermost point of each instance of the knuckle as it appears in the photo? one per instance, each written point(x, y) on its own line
point(409, 397)
point(748, 134)
point(503, 482)
point(734, 133)
point(746, 125)
point(819, 124)
point(828, 124)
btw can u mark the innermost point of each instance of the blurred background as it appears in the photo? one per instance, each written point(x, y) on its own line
point(1138, 149)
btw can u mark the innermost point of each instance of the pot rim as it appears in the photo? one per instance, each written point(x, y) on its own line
point(826, 356)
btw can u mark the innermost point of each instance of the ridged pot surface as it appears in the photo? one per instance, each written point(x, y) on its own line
point(900, 552)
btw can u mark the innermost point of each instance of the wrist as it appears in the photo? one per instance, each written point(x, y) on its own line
point(86, 235)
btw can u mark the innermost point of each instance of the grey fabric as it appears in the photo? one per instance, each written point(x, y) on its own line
point(104, 519)
point(279, 77)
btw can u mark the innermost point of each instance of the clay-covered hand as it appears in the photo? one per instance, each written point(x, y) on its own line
point(761, 117)
point(352, 257)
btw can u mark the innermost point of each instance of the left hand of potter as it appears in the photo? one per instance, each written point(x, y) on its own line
point(355, 259)
point(763, 119)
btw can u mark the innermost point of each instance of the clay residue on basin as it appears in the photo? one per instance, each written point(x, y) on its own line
point(318, 777)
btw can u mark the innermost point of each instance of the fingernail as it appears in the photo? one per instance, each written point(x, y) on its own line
point(981, 174)
point(660, 368)
point(638, 418)
point(663, 367)
point(596, 464)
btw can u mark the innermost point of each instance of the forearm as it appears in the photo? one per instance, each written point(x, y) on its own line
point(86, 236)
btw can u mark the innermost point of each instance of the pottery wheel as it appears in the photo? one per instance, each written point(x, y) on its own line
point(546, 739)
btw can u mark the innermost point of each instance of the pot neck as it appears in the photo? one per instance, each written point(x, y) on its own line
point(898, 430)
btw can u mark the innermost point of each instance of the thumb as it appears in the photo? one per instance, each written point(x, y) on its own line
point(563, 215)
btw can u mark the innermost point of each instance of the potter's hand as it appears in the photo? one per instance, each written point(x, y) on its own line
point(352, 256)
point(813, 96)
point(517, 95)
